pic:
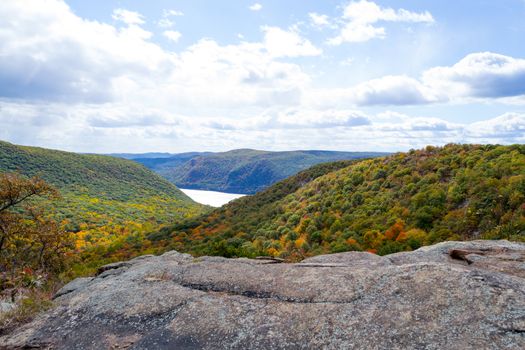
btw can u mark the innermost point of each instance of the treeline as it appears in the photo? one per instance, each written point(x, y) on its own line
point(382, 205)
point(34, 248)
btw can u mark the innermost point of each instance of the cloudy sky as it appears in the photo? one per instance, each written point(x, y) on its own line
point(194, 75)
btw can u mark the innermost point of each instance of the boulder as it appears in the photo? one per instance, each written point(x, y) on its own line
point(453, 295)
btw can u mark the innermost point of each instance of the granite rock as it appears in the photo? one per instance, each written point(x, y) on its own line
point(453, 295)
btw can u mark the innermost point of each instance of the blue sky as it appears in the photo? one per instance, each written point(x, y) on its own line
point(159, 75)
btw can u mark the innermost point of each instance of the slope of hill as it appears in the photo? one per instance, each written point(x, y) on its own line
point(382, 205)
point(162, 165)
point(241, 171)
point(103, 198)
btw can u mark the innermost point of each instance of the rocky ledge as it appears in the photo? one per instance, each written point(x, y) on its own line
point(453, 295)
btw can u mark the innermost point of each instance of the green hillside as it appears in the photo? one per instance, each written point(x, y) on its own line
point(241, 171)
point(103, 199)
point(384, 205)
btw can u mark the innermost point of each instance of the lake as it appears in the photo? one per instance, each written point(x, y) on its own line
point(212, 198)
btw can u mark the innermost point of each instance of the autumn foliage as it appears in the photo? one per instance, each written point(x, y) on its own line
point(382, 205)
point(33, 246)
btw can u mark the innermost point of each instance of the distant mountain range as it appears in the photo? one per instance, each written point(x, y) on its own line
point(142, 155)
point(243, 171)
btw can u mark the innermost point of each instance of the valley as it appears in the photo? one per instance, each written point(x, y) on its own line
point(382, 205)
point(211, 198)
point(244, 171)
point(266, 175)
point(108, 210)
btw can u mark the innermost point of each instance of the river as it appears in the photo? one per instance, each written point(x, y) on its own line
point(212, 198)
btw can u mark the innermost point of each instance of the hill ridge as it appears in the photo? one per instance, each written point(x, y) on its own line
point(245, 171)
point(107, 202)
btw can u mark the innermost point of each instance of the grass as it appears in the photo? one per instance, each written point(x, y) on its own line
point(27, 308)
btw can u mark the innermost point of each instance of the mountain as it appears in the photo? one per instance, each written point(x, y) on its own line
point(454, 295)
point(162, 165)
point(141, 155)
point(242, 171)
point(102, 198)
point(383, 205)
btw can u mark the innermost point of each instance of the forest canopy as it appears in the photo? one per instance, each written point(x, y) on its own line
point(382, 205)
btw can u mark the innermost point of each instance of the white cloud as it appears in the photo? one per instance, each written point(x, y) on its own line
point(360, 17)
point(233, 76)
point(287, 43)
point(256, 7)
point(75, 61)
point(504, 129)
point(357, 32)
point(165, 23)
point(482, 75)
point(343, 129)
point(128, 17)
point(319, 20)
point(387, 125)
point(172, 35)
point(477, 77)
point(347, 62)
point(300, 119)
point(509, 126)
point(364, 11)
point(116, 127)
point(392, 90)
point(170, 13)
point(72, 83)
point(294, 118)
point(70, 59)
point(387, 91)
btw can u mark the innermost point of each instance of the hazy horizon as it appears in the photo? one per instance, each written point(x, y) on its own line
point(205, 150)
point(158, 76)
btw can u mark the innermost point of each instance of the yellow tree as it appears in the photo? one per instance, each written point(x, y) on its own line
point(29, 241)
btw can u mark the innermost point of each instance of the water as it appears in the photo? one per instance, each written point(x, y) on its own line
point(212, 198)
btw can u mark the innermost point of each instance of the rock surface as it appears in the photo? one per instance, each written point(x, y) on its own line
point(453, 295)
point(6, 306)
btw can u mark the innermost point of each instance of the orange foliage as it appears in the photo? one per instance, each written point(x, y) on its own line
point(351, 241)
point(300, 242)
point(395, 230)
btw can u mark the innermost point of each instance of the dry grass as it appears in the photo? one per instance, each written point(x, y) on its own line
point(27, 307)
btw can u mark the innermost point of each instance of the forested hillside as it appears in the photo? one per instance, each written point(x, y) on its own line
point(103, 200)
point(164, 165)
point(383, 205)
point(243, 171)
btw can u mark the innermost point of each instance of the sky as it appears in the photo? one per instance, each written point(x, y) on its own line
point(175, 76)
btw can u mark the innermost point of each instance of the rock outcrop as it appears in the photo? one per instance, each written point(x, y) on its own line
point(453, 295)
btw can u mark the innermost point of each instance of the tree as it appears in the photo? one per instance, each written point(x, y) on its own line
point(14, 190)
point(30, 241)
